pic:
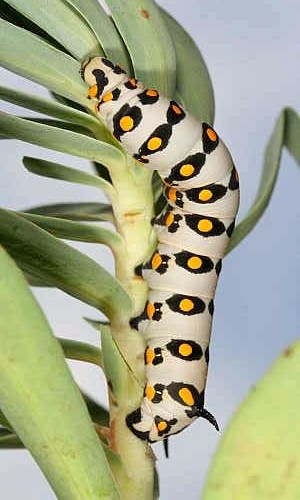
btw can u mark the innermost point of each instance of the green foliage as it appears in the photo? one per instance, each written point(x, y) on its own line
point(41, 406)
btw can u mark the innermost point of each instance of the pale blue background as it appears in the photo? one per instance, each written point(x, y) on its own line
point(252, 51)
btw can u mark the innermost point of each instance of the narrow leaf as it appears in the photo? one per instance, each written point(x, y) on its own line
point(259, 454)
point(196, 92)
point(98, 413)
point(62, 23)
point(9, 440)
point(58, 171)
point(55, 263)
point(76, 211)
point(40, 398)
point(286, 132)
point(141, 26)
point(81, 351)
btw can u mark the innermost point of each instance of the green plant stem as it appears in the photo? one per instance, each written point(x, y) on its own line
point(133, 211)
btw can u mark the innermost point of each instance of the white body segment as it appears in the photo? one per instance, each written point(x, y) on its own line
point(202, 189)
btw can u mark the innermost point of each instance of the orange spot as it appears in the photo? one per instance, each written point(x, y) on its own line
point(93, 91)
point(107, 97)
point(187, 170)
point(126, 123)
point(211, 134)
point(151, 92)
point(186, 396)
point(149, 392)
point(149, 356)
point(205, 194)
point(185, 349)
point(156, 261)
point(162, 425)
point(205, 225)
point(172, 194)
point(150, 310)
point(194, 262)
point(133, 81)
point(154, 143)
point(186, 305)
point(176, 109)
point(169, 219)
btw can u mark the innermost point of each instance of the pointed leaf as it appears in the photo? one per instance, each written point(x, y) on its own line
point(76, 211)
point(62, 23)
point(81, 351)
point(54, 262)
point(196, 93)
point(141, 25)
point(259, 453)
point(286, 132)
point(40, 398)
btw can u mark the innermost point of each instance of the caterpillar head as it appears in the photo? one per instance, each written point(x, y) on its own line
point(101, 75)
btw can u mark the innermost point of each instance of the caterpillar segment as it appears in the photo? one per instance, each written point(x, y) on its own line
point(202, 189)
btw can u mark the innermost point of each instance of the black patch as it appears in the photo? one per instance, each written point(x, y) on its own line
point(101, 81)
point(158, 419)
point(83, 66)
point(159, 388)
point(162, 132)
point(218, 267)
point(107, 63)
point(230, 229)
point(162, 268)
point(193, 220)
point(174, 347)
point(178, 201)
point(182, 258)
point(234, 182)
point(138, 270)
point(218, 191)
point(158, 358)
point(148, 99)
point(208, 144)
point(206, 355)
point(172, 117)
point(131, 84)
point(140, 159)
point(174, 389)
point(174, 304)
point(211, 307)
point(134, 418)
point(134, 112)
point(161, 220)
point(197, 160)
point(118, 70)
point(115, 93)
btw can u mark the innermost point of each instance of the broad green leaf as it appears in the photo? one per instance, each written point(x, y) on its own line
point(61, 22)
point(286, 133)
point(61, 140)
point(77, 231)
point(258, 457)
point(40, 398)
point(76, 211)
point(81, 351)
point(193, 84)
point(52, 108)
point(55, 263)
point(104, 30)
point(58, 171)
point(148, 42)
point(46, 65)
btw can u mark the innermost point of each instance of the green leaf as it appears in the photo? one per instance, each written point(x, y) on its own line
point(97, 412)
point(76, 211)
point(52, 108)
point(9, 440)
point(96, 323)
point(55, 263)
point(77, 231)
point(46, 65)
point(58, 171)
point(115, 367)
point(286, 133)
point(259, 453)
point(195, 92)
point(40, 398)
point(61, 140)
point(81, 351)
point(104, 30)
point(148, 41)
point(61, 22)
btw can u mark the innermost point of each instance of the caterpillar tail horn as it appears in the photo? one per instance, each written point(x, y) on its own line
point(166, 447)
point(208, 416)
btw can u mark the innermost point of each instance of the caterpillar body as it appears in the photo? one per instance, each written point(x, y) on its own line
point(202, 189)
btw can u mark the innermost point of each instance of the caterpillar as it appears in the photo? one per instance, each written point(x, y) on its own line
point(202, 190)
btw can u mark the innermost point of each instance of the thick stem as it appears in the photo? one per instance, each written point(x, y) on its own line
point(133, 210)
